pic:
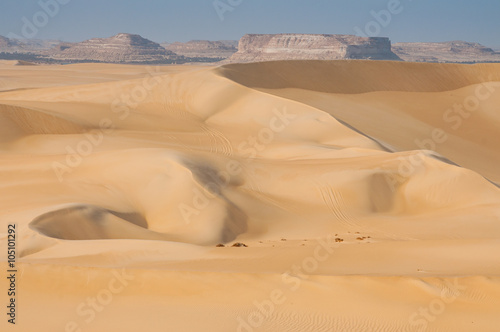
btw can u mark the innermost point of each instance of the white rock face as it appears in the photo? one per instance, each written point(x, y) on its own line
point(255, 48)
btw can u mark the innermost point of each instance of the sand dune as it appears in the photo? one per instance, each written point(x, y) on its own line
point(344, 76)
point(368, 199)
point(397, 96)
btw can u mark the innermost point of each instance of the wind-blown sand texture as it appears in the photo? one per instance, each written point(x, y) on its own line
point(367, 198)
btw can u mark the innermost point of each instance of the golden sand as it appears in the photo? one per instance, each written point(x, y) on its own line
point(365, 192)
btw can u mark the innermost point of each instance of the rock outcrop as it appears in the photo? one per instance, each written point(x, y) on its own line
point(256, 48)
point(37, 45)
point(129, 48)
point(122, 48)
point(8, 45)
point(202, 49)
point(60, 47)
point(231, 43)
point(454, 51)
point(4, 42)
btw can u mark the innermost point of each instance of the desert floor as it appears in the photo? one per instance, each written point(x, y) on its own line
point(366, 193)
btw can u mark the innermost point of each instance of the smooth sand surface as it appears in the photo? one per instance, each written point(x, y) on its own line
point(366, 194)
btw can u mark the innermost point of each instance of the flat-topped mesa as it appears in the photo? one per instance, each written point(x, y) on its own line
point(454, 51)
point(256, 48)
point(117, 49)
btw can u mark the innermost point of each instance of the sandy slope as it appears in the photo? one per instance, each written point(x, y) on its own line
point(122, 179)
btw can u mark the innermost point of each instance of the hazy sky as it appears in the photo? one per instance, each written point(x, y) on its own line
point(183, 20)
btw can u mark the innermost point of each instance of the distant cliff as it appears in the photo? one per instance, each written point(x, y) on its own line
point(118, 49)
point(454, 51)
point(130, 48)
point(202, 49)
point(255, 48)
point(9, 45)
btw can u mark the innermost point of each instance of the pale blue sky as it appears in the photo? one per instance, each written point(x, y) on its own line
point(183, 20)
